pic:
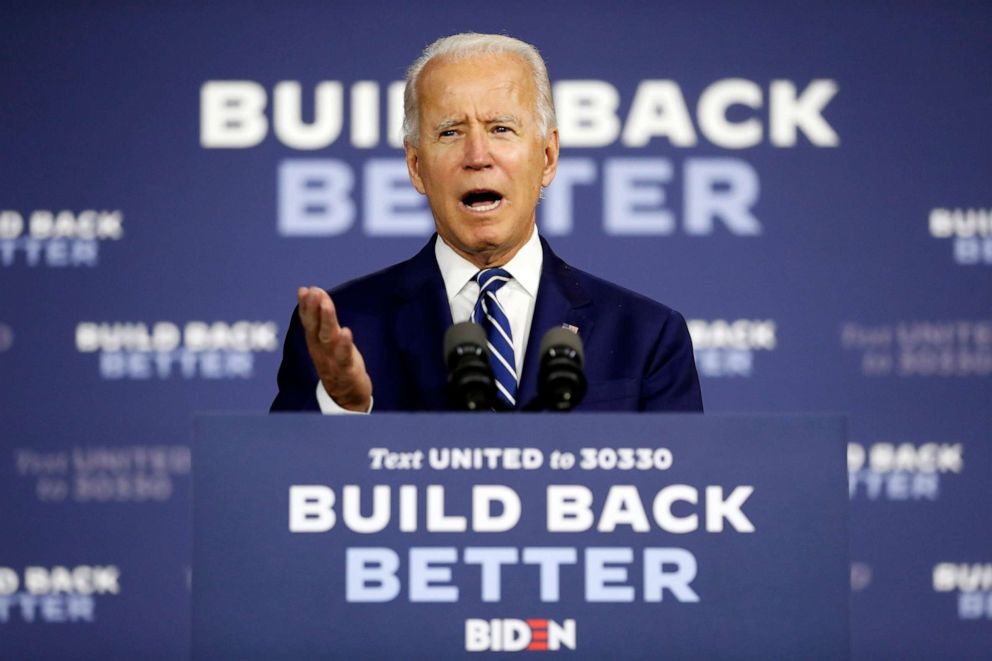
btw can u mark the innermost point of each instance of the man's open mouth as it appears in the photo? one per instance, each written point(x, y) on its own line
point(482, 200)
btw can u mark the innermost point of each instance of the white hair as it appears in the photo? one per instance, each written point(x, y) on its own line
point(470, 44)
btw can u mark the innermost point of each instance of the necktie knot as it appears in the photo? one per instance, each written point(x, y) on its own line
point(492, 279)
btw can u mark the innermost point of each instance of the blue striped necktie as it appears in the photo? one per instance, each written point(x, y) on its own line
point(490, 315)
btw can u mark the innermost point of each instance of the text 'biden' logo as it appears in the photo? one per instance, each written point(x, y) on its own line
point(509, 635)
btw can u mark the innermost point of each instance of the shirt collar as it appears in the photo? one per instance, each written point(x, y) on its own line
point(525, 267)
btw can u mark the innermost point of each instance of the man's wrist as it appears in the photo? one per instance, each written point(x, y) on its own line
point(330, 407)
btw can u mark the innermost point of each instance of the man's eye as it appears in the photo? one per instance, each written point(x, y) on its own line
point(447, 134)
point(501, 129)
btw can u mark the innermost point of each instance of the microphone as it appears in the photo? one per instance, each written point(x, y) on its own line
point(470, 377)
point(561, 381)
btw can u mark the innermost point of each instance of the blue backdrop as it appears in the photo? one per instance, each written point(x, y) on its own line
point(809, 185)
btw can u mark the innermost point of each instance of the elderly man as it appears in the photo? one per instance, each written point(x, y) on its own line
point(481, 142)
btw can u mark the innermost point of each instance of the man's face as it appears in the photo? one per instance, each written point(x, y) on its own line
point(481, 159)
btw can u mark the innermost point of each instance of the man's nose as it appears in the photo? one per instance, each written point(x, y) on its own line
point(477, 153)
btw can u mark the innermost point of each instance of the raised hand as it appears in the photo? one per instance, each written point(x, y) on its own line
point(332, 349)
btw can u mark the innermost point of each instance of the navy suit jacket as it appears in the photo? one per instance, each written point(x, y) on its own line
point(638, 352)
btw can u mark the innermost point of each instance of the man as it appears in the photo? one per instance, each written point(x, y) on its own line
point(481, 142)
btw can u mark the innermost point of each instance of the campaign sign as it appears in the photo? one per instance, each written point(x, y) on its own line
point(594, 536)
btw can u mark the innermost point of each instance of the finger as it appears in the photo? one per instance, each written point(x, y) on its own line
point(307, 306)
point(329, 326)
point(344, 348)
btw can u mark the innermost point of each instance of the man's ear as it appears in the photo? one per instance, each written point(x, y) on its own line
point(413, 167)
point(551, 150)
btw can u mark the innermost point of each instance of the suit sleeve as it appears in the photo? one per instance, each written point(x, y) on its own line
point(297, 378)
point(671, 382)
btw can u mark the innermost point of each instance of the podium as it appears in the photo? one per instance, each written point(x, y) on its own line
point(590, 535)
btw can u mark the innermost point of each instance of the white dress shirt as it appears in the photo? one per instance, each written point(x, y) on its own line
point(517, 297)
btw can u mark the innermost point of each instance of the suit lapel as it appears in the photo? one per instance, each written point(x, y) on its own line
point(422, 317)
point(560, 300)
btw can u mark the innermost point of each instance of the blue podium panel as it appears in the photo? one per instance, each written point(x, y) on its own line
point(599, 536)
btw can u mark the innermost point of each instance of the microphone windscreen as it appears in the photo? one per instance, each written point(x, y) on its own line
point(561, 337)
point(463, 333)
